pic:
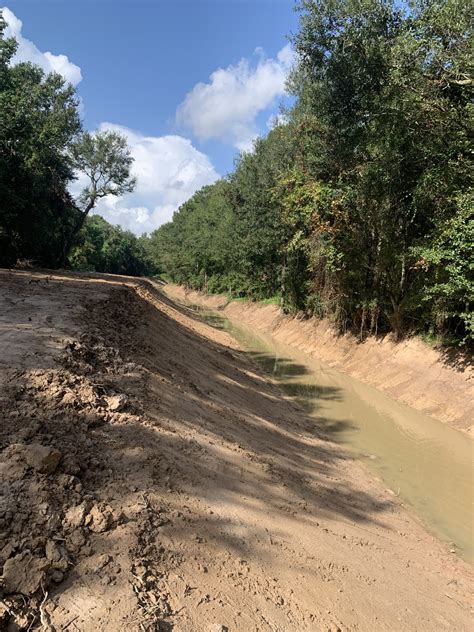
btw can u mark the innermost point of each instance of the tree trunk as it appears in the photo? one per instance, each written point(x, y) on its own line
point(77, 227)
point(283, 281)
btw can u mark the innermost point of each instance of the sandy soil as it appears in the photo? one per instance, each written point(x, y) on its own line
point(437, 382)
point(152, 479)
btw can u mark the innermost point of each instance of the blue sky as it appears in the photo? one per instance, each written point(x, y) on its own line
point(189, 82)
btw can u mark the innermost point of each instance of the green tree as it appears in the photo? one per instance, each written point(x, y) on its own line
point(38, 121)
point(101, 247)
point(391, 93)
point(105, 159)
point(359, 207)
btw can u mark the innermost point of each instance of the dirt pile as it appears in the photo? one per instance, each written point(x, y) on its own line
point(55, 501)
point(153, 479)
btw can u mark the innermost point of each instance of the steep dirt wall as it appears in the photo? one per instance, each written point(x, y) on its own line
point(439, 384)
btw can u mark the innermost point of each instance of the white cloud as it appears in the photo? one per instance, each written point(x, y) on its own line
point(168, 171)
point(227, 107)
point(27, 51)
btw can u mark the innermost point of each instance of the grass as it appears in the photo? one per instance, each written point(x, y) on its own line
point(272, 300)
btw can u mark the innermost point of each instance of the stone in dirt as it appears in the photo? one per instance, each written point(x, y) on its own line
point(24, 573)
point(42, 458)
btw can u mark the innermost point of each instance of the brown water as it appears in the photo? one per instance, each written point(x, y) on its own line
point(429, 465)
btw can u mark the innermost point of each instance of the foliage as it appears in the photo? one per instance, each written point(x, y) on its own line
point(197, 247)
point(370, 175)
point(102, 247)
point(38, 119)
point(448, 265)
point(42, 148)
point(105, 160)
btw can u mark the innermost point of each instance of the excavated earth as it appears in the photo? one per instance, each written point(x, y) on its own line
point(153, 479)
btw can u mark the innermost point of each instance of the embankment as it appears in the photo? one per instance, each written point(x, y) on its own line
point(154, 479)
point(438, 383)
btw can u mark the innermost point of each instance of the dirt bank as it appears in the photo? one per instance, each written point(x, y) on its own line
point(152, 479)
point(440, 384)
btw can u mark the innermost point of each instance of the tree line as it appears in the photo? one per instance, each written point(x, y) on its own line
point(358, 205)
point(43, 148)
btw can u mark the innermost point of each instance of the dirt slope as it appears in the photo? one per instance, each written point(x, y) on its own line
point(438, 383)
point(152, 479)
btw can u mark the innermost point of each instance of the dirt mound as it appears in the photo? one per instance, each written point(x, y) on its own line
point(55, 471)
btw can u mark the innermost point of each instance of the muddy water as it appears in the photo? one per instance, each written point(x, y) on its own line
point(427, 464)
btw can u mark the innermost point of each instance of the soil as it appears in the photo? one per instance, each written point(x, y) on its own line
point(436, 381)
point(153, 479)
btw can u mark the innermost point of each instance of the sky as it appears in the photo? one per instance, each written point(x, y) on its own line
point(190, 83)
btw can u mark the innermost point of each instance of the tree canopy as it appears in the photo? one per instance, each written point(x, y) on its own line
point(43, 148)
point(359, 207)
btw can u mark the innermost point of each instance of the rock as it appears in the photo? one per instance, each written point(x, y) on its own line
point(42, 458)
point(24, 573)
point(218, 627)
point(116, 402)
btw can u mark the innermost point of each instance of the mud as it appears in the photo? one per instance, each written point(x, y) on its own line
point(153, 479)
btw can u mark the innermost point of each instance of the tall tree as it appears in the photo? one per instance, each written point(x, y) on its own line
point(105, 160)
point(38, 121)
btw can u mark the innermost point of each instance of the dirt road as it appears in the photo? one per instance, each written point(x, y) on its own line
point(153, 479)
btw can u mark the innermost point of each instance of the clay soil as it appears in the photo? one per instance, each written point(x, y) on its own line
point(153, 479)
point(436, 381)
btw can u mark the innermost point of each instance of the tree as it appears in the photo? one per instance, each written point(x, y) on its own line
point(105, 159)
point(41, 151)
point(446, 268)
point(359, 207)
point(101, 247)
point(391, 88)
point(38, 120)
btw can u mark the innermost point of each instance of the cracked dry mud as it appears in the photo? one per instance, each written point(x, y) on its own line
point(153, 479)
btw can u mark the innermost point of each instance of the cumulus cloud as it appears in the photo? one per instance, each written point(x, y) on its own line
point(28, 51)
point(227, 107)
point(168, 171)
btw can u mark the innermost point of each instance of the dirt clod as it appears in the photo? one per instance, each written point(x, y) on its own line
point(76, 516)
point(42, 458)
point(116, 402)
point(99, 520)
point(24, 573)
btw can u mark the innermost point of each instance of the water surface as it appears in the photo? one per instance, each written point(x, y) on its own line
point(428, 464)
